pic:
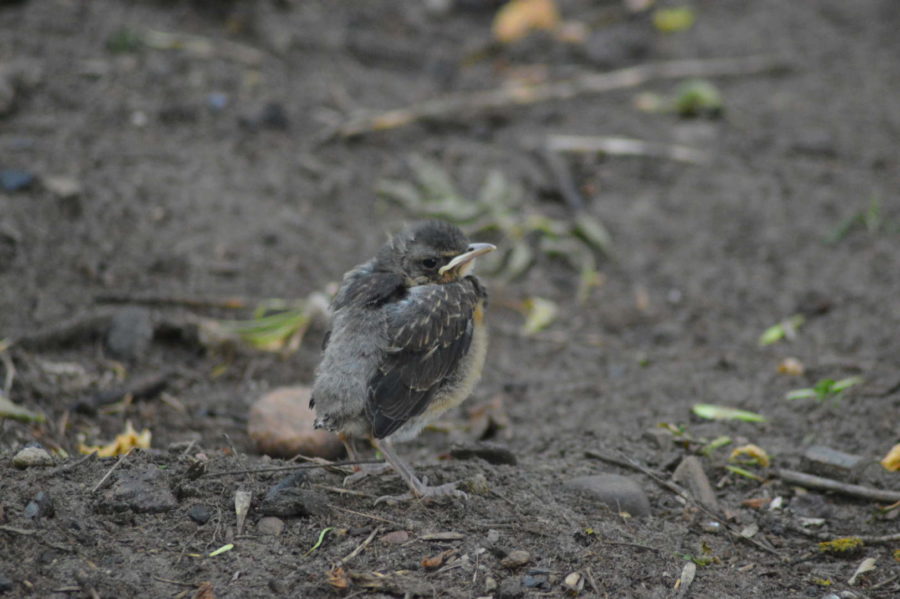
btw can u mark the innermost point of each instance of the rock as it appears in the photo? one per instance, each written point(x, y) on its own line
point(398, 537)
point(30, 457)
point(6, 584)
point(143, 491)
point(41, 506)
point(64, 188)
point(620, 493)
point(490, 584)
point(515, 559)
point(281, 424)
point(510, 588)
point(15, 180)
point(287, 499)
point(199, 514)
point(574, 583)
point(832, 463)
point(270, 525)
point(272, 116)
point(811, 505)
point(491, 453)
point(130, 333)
point(690, 474)
point(537, 579)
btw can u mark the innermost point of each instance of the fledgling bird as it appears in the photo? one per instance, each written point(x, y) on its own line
point(407, 342)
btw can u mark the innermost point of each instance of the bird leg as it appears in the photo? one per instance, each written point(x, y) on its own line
point(418, 489)
point(360, 471)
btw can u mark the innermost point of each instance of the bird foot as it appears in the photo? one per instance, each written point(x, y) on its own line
point(421, 491)
point(364, 471)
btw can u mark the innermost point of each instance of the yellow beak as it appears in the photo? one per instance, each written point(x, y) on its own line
point(474, 250)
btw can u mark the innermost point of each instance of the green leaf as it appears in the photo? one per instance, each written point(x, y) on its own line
point(541, 313)
point(715, 444)
point(322, 534)
point(16, 412)
point(785, 329)
point(714, 412)
point(743, 472)
point(593, 233)
point(670, 20)
point(803, 393)
point(221, 550)
point(846, 383)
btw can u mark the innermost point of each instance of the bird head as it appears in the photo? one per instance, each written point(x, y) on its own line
point(431, 252)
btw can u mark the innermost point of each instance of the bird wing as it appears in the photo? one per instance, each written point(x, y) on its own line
point(430, 331)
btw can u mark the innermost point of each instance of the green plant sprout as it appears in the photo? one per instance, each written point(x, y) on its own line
point(499, 210)
point(824, 389)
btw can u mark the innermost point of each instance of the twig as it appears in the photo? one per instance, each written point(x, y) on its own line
point(624, 146)
point(681, 492)
point(288, 468)
point(143, 388)
point(176, 582)
point(83, 325)
point(590, 577)
point(370, 516)
point(870, 539)
point(826, 484)
point(359, 547)
point(18, 531)
point(70, 465)
point(110, 471)
point(592, 83)
point(230, 303)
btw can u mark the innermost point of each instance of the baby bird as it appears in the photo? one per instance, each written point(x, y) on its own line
point(407, 342)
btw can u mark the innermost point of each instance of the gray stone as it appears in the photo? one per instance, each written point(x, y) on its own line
point(690, 474)
point(270, 525)
point(32, 456)
point(143, 491)
point(6, 584)
point(620, 493)
point(199, 514)
point(130, 333)
point(41, 506)
point(515, 559)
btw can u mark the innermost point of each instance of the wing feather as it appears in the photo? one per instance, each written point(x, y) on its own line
point(432, 330)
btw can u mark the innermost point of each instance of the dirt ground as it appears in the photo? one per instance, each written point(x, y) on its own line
point(205, 170)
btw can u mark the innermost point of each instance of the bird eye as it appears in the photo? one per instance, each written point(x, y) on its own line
point(429, 262)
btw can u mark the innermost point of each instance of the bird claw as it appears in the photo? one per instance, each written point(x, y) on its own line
point(364, 472)
point(425, 494)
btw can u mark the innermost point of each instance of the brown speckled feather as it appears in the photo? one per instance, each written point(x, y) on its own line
point(431, 330)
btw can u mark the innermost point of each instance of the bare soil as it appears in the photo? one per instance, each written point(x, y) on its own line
point(184, 194)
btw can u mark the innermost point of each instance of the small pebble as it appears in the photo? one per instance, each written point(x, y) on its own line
point(536, 580)
point(690, 474)
point(278, 586)
point(32, 456)
point(493, 536)
point(510, 588)
point(620, 493)
point(515, 559)
point(64, 188)
point(270, 525)
point(491, 453)
point(41, 506)
point(574, 582)
point(199, 514)
point(397, 537)
point(6, 584)
point(130, 333)
point(15, 180)
point(490, 584)
point(711, 526)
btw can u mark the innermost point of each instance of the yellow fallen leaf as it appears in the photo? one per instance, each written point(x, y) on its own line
point(518, 18)
point(891, 461)
point(123, 443)
point(754, 453)
point(539, 314)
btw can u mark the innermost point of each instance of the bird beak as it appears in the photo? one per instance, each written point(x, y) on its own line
point(475, 250)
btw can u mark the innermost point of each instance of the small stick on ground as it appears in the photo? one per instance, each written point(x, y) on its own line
point(228, 303)
point(810, 481)
point(110, 471)
point(591, 83)
point(289, 468)
point(359, 547)
point(70, 465)
point(66, 332)
point(624, 146)
point(364, 515)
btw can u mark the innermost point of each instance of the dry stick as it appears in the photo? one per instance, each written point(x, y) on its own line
point(359, 548)
point(592, 83)
point(364, 515)
point(288, 468)
point(110, 471)
point(624, 146)
point(229, 303)
point(678, 490)
point(69, 466)
point(826, 484)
